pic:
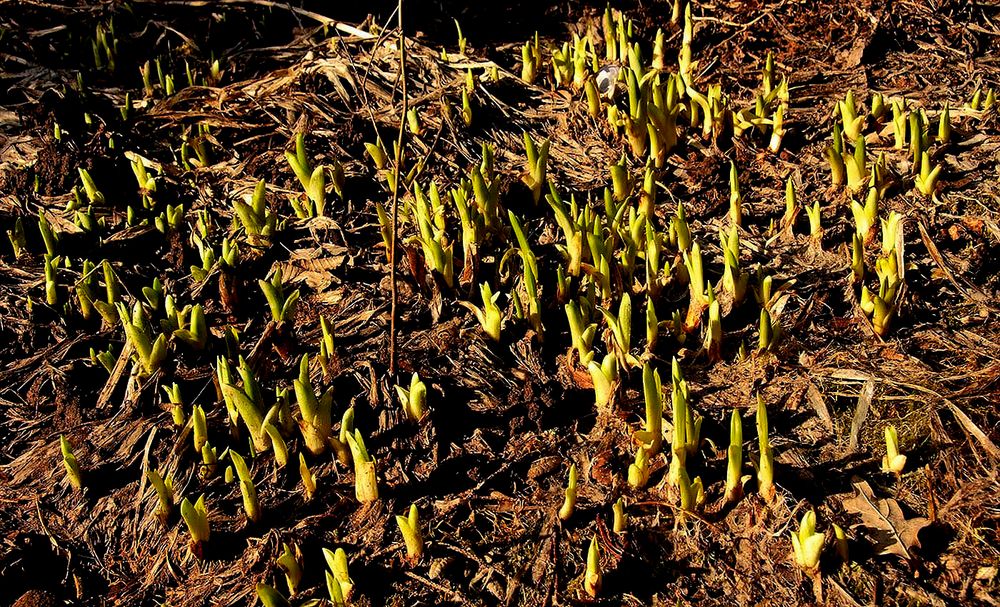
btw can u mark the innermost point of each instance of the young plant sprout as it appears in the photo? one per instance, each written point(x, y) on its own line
point(164, 494)
point(537, 156)
point(308, 480)
point(593, 577)
point(325, 345)
point(73, 473)
point(338, 581)
point(290, 563)
point(620, 328)
point(18, 239)
point(765, 470)
point(313, 180)
point(258, 221)
point(270, 597)
point(250, 503)
point(852, 122)
point(713, 330)
point(692, 493)
point(581, 332)
point(620, 519)
point(893, 461)
point(531, 60)
point(857, 257)
point(247, 402)
point(196, 518)
point(365, 480)
point(735, 197)
point(414, 399)
point(409, 526)
point(733, 280)
point(807, 545)
point(652, 435)
point(926, 180)
point(150, 353)
point(316, 417)
point(638, 471)
point(569, 503)
point(840, 542)
point(770, 331)
point(815, 225)
point(490, 316)
point(605, 378)
point(282, 306)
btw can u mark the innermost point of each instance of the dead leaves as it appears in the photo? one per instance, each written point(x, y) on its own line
point(888, 528)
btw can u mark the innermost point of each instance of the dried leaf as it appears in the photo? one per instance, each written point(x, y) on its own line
point(889, 529)
point(860, 414)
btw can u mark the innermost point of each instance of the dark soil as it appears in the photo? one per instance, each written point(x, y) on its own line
point(487, 466)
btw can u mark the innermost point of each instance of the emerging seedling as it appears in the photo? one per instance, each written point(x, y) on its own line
point(290, 564)
point(807, 545)
point(414, 399)
point(569, 503)
point(531, 60)
point(620, 519)
point(490, 316)
point(765, 470)
point(592, 577)
point(282, 307)
point(73, 472)
point(313, 180)
point(164, 494)
point(926, 180)
point(365, 480)
point(734, 471)
point(308, 480)
point(258, 221)
point(605, 378)
point(537, 156)
point(196, 518)
point(338, 581)
point(250, 503)
point(652, 388)
point(692, 493)
point(893, 461)
point(270, 597)
point(638, 472)
point(409, 526)
point(316, 418)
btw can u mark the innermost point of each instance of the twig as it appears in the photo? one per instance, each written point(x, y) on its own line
point(395, 193)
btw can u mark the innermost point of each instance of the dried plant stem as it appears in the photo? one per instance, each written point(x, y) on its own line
point(395, 193)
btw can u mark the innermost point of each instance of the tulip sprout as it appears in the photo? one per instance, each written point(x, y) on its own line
point(250, 503)
point(569, 503)
point(807, 544)
point(409, 526)
point(73, 472)
point(765, 470)
point(164, 494)
point(308, 480)
point(537, 156)
point(605, 378)
point(313, 180)
point(316, 418)
point(893, 461)
point(365, 480)
point(290, 563)
point(196, 518)
point(414, 399)
point(592, 577)
point(282, 306)
point(338, 581)
point(619, 517)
